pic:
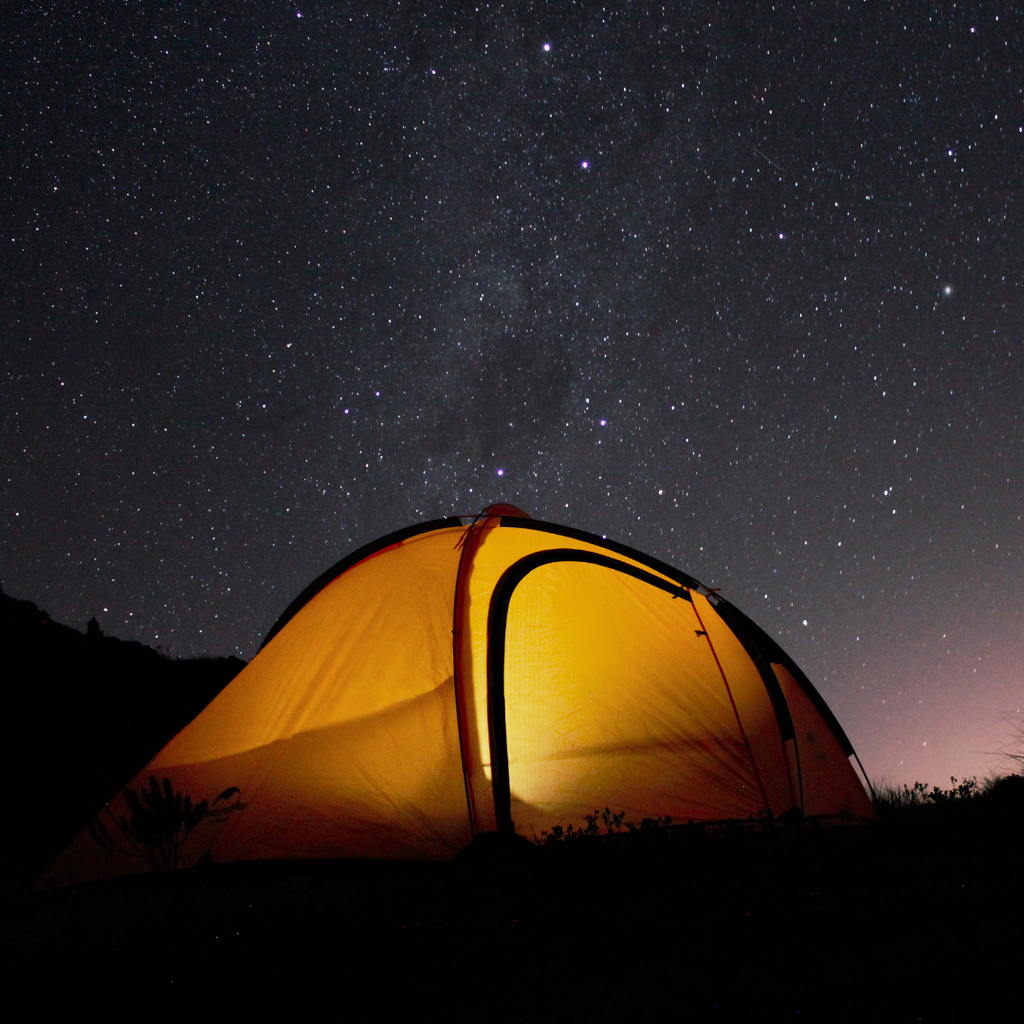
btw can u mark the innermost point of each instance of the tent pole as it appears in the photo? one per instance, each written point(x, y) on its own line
point(467, 542)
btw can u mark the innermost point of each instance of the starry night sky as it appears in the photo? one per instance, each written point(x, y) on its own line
point(737, 284)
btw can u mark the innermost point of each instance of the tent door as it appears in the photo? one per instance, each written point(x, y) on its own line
point(603, 692)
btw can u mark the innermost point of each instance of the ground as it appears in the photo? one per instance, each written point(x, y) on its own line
point(916, 918)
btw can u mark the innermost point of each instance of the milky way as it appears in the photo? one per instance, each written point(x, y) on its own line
point(738, 287)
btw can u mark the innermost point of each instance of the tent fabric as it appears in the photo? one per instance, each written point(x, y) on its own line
point(505, 676)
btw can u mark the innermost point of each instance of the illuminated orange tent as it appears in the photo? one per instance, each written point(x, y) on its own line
point(505, 677)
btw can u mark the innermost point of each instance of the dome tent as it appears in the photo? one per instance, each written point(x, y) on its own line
point(453, 680)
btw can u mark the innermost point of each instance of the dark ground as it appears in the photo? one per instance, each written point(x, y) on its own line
point(918, 918)
point(915, 919)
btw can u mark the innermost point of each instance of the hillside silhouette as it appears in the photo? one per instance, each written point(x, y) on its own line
point(83, 712)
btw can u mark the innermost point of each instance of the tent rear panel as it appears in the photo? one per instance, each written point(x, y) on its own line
point(830, 784)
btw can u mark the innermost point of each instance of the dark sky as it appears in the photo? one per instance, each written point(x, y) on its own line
point(737, 284)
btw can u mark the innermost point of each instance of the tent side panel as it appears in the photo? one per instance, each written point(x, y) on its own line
point(387, 785)
point(359, 555)
point(379, 634)
point(342, 731)
point(831, 787)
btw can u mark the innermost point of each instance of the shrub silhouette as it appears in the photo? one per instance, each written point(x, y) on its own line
point(613, 824)
point(891, 800)
point(159, 821)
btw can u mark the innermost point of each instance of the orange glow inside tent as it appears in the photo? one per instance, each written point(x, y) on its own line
point(500, 676)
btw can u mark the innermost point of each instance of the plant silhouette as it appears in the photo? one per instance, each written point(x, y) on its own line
point(158, 822)
point(613, 823)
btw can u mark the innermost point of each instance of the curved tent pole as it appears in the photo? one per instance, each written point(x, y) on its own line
point(469, 543)
point(656, 564)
